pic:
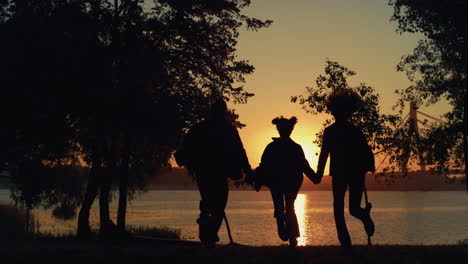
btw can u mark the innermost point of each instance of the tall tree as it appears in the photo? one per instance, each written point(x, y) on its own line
point(42, 52)
point(120, 81)
point(439, 69)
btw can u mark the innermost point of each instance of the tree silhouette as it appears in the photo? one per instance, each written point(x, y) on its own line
point(42, 53)
point(376, 126)
point(114, 84)
point(438, 68)
point(390, 135)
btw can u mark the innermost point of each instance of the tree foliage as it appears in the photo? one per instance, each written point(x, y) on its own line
point(112, 83)
point(375, 126)
point(438, 68)
point(394, 139)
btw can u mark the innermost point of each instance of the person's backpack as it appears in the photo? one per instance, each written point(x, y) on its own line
point(259, 178)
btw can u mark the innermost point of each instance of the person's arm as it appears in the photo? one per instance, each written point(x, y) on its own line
point(309, 172)
point(367, 154)
point(183, 152)
point(267, 156)
point(244, 160)
point(324, 151)
point(371, 160)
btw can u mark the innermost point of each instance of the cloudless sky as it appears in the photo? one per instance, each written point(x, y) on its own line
point(291, 53)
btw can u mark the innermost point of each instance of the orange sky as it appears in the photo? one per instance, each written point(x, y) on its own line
point(291, 53)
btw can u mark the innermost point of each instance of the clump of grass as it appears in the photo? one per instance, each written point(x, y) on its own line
point(17, 223)
point(156, 232)
point(463, 242)
point(53, 236)
point(149, 231)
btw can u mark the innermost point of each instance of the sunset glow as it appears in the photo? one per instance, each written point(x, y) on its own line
point(291, 53)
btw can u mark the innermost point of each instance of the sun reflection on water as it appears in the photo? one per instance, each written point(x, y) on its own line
point(300, 206)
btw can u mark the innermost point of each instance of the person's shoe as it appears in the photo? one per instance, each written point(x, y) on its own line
point(281, 229)
point(347, 249)
point(369, 226)
point(204, 233)
point(209, 244)
point(293, 242)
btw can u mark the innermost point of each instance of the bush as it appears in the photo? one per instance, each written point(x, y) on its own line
point(15, 222)
point(463, 242)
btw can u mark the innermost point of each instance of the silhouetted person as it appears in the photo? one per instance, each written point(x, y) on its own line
point(350, 159)
point(283, 164)
point(213, 152)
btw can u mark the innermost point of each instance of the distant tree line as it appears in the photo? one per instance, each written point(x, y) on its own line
point(109, 85)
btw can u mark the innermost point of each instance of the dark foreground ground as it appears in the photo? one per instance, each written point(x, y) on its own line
point(69, 252)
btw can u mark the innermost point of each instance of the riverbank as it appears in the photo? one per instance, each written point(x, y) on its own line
point(71, 251)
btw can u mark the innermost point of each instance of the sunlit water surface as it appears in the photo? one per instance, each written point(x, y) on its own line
point(400, 217)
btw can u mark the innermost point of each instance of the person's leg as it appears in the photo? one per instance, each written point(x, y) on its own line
point(278, 204)
point(204, 219)
point(218, 205)
point(356, 188)
point(292, 226)
point(339, 189)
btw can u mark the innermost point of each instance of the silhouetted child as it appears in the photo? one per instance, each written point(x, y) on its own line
point(350, 159)
point(213, 152)
point(282, 167)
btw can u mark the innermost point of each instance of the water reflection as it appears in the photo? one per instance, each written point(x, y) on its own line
point(301, 212)
point(414, 218)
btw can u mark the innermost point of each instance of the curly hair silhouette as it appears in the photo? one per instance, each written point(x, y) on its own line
point(343, 102)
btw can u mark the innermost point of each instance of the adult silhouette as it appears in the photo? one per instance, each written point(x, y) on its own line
point(282, 166)
point(350, 159)
point(213, 152)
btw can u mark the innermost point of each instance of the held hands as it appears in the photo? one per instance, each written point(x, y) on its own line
point(252, 179)
point(318, 177)
point(249, 177)
point(314, 177)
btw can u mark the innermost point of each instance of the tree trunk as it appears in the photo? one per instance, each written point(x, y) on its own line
point(28, 219)
point(92, 189)
point(123, 186)
point(123, 194)
point(465, 127)
point(105, 224)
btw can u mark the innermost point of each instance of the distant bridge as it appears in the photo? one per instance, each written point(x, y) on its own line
point(415, 121)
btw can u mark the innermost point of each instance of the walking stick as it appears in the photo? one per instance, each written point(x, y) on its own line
point(368, 208)
point(228, 229)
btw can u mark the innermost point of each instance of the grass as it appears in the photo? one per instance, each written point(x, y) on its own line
point(148, 252)
point(65, 248)
point(155, 232)
point(151, 232)
point(15, 225)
